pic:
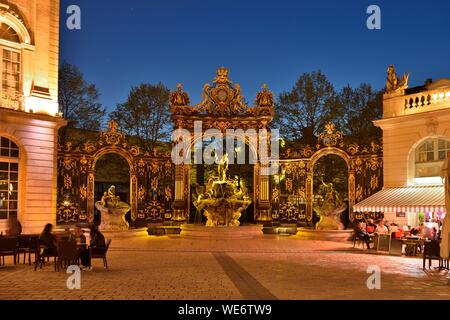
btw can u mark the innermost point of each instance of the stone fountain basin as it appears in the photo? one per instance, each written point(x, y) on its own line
point(113, 219)
point(221, 202)
point(324, 235)
point(221, 233)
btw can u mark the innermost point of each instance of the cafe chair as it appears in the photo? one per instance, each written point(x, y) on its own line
point(431, 251)
point(44, 253)
point(8, 247)
point(358, 240)
point(23, 247)
point(67, 254)
point(97, 253)
point(33, 248)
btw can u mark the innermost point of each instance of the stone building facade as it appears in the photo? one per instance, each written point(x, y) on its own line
point(416, 141)
point(29, 118)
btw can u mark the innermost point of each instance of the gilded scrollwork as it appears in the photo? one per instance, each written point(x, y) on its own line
point(365, 173)
point(141, 193)
point(67, 182)
point(331, 137)
point(83, 192)
point(112, 137)
point(152, 172)
point(222, 98)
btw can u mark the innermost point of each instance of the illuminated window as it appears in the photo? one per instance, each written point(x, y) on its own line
point(9, 178)
point(430, 155)
point(10, 73)
point(10, 67)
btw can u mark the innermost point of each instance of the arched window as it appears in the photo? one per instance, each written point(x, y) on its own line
point(430, 155)
point(9, 178)
point(8, 33)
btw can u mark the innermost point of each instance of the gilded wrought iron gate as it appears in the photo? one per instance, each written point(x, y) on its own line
point(151, 177)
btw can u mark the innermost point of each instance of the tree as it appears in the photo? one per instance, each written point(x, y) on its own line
point(78, 100)
point(303, 112)
point(145, 114)
point(362, 105)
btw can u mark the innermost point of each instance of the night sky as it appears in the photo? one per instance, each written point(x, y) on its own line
point(125, 43)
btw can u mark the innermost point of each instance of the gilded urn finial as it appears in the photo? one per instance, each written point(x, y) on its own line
point(264, 98)
point(179, 98)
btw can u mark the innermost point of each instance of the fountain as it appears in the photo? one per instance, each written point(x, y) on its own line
point(112, 211)
point(222, 202)
point(330, 208)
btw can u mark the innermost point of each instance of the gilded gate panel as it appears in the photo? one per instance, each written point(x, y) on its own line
point(292, 193)
point(151, 176)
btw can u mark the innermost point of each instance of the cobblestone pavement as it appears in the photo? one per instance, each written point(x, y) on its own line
point(145, 267)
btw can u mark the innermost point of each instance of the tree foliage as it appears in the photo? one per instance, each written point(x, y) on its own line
point(303, 112)
point(145, 114)
point(362, 105)
point(79, 100)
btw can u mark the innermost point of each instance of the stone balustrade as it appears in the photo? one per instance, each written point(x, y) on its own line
point(426, 101)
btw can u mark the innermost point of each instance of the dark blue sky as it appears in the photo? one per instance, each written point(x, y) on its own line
point(125, 43)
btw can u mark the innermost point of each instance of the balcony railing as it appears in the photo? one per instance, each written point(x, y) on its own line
point(427, 101)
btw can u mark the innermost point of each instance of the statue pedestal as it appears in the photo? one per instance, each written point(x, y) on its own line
point(221, 233)
point(113, 219)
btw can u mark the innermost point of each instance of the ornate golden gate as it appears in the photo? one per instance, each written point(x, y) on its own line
point(160, 191)
point(292, 193)
point(222, 108)
point(151, 177)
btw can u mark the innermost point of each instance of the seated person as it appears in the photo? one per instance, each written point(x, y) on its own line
point(97, 240)
point(420, 230)
point(381, 228)
point(430, 233)
point(97, 245)
point(67, 235)
point(393, 228)
point(371, 226)
point(48, 240)
point(78, 236)
point(361, 233)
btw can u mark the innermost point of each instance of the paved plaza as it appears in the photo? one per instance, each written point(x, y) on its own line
point(143, 267)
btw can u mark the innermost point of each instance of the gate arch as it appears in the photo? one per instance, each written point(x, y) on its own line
point(222, 108)
point(295, 182)
point(350, 177)
point(151, 176)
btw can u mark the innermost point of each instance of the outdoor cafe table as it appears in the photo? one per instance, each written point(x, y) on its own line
point(412, 244)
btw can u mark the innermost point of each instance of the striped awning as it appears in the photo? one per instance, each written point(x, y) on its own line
point(416, 199)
